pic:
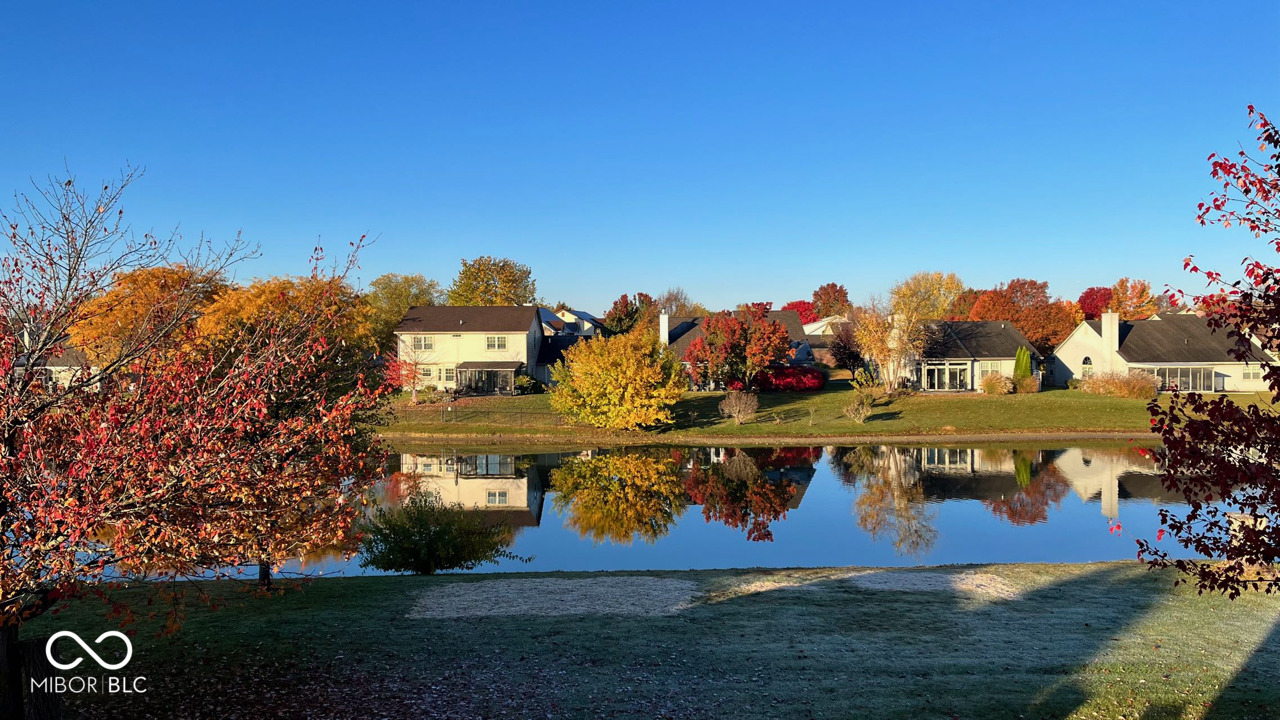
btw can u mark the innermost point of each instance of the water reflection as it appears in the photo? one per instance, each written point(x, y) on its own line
point(653, 508)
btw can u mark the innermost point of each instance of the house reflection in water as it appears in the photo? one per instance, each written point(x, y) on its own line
point(506, 488)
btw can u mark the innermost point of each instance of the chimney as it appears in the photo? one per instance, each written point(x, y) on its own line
point(1110, 339)
point(664, 329)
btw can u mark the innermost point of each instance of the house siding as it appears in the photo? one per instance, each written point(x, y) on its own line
point(452, 349)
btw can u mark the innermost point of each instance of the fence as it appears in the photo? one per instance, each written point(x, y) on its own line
point(514, 418)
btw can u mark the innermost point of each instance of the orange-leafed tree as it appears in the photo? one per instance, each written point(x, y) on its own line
point(1132, 299)
point(735, 347)
point(1045, 321)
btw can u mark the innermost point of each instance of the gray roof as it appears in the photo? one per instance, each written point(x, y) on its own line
point(1174, 338)
point(551, 351)
point(460, 319)
point(977, 340)
point(682, 331)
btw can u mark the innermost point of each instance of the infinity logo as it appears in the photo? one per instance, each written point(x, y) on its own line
point(128, 650)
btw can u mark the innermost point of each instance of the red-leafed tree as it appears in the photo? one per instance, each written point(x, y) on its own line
point(142, 464)
point(738, 494)
point(737, 346)
point(628, 312)
point(804, 309)
point(1094, 301)
point(831, 299)
point(1223, 457)
point(1026, 303)
point(962, 306)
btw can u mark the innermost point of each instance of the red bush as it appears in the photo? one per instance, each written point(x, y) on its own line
point(798, 378)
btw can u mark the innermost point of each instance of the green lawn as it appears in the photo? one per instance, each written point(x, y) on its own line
point(1034, 641)
point(786, 415)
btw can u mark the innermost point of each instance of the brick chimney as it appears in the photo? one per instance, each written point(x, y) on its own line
point(1110, 340)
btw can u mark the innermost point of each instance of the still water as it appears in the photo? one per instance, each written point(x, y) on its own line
point(701, 508)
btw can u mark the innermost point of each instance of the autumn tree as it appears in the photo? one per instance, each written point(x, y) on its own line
point(677, 303)
point(739, 495)
point(629, 312)
point(737, 346)
point(488, 280)
point(845, 351)
point(962, 306)
point(136, 467)
point(831, 299)
point(140, 301)
point(804, 309)
point(890, 503)
point(1221, 456)
point(1094, 301)
point(620, 382)
point(1045, 321)
point(1132, 299)
point(892, 334)
point(390, 296)
point(925, 296)
point(619, 497)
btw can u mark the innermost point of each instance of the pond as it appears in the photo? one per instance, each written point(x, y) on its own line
point(704, 508)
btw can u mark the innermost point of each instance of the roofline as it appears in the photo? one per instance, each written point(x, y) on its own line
point(1084, 324)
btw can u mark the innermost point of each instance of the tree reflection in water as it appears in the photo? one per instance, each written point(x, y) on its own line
point(891, 504)
point(620, 496)
point(737, 492)
point(1040, 485)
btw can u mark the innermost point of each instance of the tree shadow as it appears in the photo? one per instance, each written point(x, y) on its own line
point(891, 415)
point(1254, 691)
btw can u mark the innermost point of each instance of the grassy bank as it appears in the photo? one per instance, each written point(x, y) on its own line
point(785, 416)
point(1086, 641)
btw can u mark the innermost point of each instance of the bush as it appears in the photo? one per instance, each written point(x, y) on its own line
point(791, 379)
point(423, 535)
point(526, 385)
point(741, 406)
point(1029, 384)
point(623, 382)
point(1073, 384)
point(1021, 365)
point(1137, 384)
point(859, 409)
point(996, 384)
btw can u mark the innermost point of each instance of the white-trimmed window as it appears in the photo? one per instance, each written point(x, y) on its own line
point(426, 373)
point(988, 367)
point(448, 374)
point(1086, 368)
point(495, 342)
point(424, 342)
point(497, 497)
point(1253, 373)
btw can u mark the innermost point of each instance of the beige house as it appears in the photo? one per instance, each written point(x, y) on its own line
point(497, 484)
point(960, 353)
point(470, 349)
point(1178, 348)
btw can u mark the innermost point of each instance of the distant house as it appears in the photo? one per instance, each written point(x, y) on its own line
point(680, 332)
point(58, 369)
point(820, 334)
point(962, 352)
point(470, 349)
point(569, 322)
point(1178, 348)
point(498, 486)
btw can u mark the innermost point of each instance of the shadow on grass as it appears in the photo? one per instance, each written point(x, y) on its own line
point(1254, 692)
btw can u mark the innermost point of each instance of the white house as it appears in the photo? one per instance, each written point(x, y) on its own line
point(470, 349)
point(497, 484)
point(962, 352)
point(1178, 348)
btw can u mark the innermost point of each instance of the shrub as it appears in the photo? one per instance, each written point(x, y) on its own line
point(526, 385)
point(1029, 384)
point(741, 406)
point(1137, 384)
point(624, 382)
point(1021, 364)
point(996, 384)
point(423, 535)
point(859, 409)
point(791, 379)
point(1073, 384)
point(863, 378)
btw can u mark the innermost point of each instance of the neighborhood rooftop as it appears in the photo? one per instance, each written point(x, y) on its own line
point(684, 330)
point(452, 319)
point(977, 339)
point(1173, 338)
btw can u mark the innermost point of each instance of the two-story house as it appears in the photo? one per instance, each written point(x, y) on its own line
point(470, 349)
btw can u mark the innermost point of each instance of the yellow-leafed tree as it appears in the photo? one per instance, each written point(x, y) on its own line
point(619, 497)
point(624, 382)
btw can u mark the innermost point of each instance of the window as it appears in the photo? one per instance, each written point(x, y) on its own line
point(424, 342)
point(1184, 378)
point(497, 497)
point(988, 367)
point(426, 373)
point(495, 342)
point(1253, 373)
point(448, 374)
point(1086, 367)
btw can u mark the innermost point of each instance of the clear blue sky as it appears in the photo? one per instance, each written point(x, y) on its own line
point(744, 151)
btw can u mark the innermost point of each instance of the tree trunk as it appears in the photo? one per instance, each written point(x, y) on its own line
point(264, 574)
point(11, 701)
point(40, 705)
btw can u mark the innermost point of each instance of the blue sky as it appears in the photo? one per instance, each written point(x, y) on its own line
point(744, 151)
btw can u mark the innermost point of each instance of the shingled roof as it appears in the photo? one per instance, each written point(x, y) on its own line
point(976, 340)
point(684, 330)
point(1174, 338)
point(459, 319)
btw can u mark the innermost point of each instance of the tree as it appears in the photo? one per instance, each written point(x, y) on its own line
point(804, 308)
point(891, 503)
point(1132, 299)
point(925, 296)
point(390, 296)
point(424, 535)
point(962, 306)
point(619, 497)
point(676, 302)
point(737, 346)
point(845, 351)
point(137, 465)
point(831, 299)
point(892, 335)
point(138, 302)
point(738, 494)
point(1223, 457)
point(628, 313)
point(623, 382)
point(1026, 303)
point(1021, 365)
point(488, 280)
point(1094, 301)
point(741, 406)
